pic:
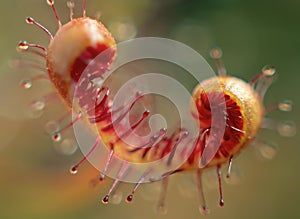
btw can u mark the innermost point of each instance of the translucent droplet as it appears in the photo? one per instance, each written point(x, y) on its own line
point(105, 199)
point(221, 203)
point(70, 4)
point(51, 127)
point(50, 2)
point(287, 128)
point(129, 198)
point(116, 198)
point(23, 46)
point(68, 146)
point(123, 29)
point(56, 136)
point(26, 84)
point(29, 20)
point(101, 177)
point(39, 104)
point(161, 209)
point(286, 106)
point(267, 150)
point(73, 170)
point(216, 53)
point(36, 108)
point(268, 70)
point(154, 178)
point(203, 210)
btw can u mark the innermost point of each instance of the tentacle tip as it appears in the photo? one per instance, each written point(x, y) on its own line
point(146, 113)
point(204, 210)
point(56, 136)
point(285, 106)
point(26, 84)
point(268, 70)
point(101, 177)
point(70, 4)
point(216, 53)
point(163, 131)
point(74, 170)
point(29, 20)
point(221, 203)
point(129, 198)
point(22, 46)
point(37, 108)
point(50, 2)
point(287, 128)
point(105, 199)
point(161, 209)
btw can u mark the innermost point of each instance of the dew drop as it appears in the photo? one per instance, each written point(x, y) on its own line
point(116, 198)
point(50, 2)
point(23, 46)
point(161, 209)
point(221, 202)
point(56, 136)
point(203, 210)
point(26, 84)
point(29, 20)
point(36, 109)
point(129, 198)
point(70, 4)
point(123, 29)
point(105, 199)
point(154, 179)
point(51, 127)
point(268, 70)
point(74, 170)
point(285, 106)
point(287, 128)
point(268, 150)
point(101, 177)
point(39, 104)
point(68, 146)
point(216, 53)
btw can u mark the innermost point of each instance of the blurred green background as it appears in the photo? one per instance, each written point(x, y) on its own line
point(35, 182)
